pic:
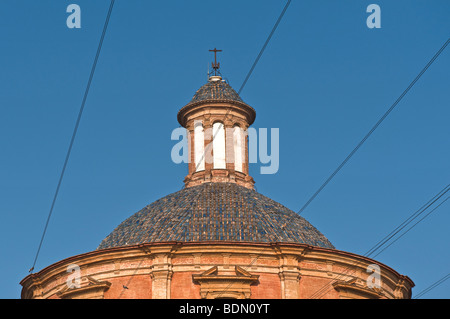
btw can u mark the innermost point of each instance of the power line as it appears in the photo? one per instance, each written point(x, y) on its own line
point(229, 109)
point(321, 291)
point(432, 286)
point(324, 289)
point(248, 74)
point(412, 226)
point(74, 131)
point(264, 46)
point(374, 127)
point(384, 240)
point(408, 220)
point(363, 141)
point(373, 249)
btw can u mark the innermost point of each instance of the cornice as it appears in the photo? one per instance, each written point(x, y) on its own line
point(214, 104)
point(172, 249)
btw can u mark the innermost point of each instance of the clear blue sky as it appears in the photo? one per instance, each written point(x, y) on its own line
point(324, 80)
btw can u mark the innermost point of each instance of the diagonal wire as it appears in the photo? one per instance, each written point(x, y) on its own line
point(74, 131)
point(407, 221)
point(264, 46)
point(374, 127)
point(367, 136)
point(214, 135)
point(432, 286)
point(321, 291)
point(208, 147)
point(371, 131)
point(411, 227)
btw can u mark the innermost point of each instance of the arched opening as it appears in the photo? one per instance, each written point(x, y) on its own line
point(238, 146)
point(199, 145)
point(219, 146)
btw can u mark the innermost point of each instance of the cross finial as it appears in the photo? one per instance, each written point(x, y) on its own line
point(215, 64)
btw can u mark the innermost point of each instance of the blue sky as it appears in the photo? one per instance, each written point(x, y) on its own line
point(324, 80)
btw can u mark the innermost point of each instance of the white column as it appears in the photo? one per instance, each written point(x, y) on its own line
point(219, 146)
point(238, 150)
point(199, 145)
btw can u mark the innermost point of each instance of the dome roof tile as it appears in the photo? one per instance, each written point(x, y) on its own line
point(215, 212)
point(216, 90)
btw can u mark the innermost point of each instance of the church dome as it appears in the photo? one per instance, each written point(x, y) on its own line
point(217, 237)
point(215, 212)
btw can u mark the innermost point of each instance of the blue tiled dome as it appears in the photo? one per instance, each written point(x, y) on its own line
point(215, 212)
point(216, 90)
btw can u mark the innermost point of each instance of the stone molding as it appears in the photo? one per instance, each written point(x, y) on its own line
point(299, 268)
point(225, 285)
point(352, 290)
point(90, 289)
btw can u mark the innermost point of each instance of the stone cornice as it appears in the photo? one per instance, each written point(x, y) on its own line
point(213, 284)
point(185, 247)
point(352, 286)
point(94, 289)
point(238, 106)
point(291, 258)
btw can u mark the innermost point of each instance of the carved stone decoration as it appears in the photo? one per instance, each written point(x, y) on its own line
point(353, 290)
point(161, 275)
point(226, 284)
point(90, 289)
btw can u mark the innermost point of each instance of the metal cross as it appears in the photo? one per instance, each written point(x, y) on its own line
point(215, 64)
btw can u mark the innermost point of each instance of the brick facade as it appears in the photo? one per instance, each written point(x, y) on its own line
point(217, 270)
